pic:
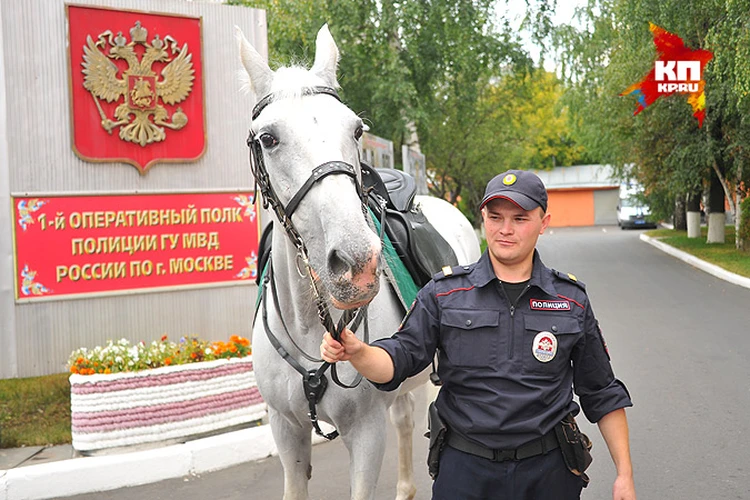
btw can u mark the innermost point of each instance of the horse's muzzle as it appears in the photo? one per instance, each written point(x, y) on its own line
point(354, 281)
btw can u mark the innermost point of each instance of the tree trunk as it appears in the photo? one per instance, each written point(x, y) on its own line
point(739, 242)
point(680, 223)
point(715, 209)
point(694, 215)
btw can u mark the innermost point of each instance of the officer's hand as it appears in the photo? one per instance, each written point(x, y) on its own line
point(333, 351)
point(624, 488)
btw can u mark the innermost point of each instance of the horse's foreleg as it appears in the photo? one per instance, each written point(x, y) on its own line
point(295, 451)
point(365, 441)
point(402, 416)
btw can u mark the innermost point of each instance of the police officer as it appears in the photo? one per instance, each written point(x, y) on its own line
point(514, 339)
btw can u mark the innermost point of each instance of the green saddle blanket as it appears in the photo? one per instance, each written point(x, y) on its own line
point(395, 270)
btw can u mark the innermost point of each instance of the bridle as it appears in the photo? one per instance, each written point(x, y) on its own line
point(314, 381)
point(260, 173)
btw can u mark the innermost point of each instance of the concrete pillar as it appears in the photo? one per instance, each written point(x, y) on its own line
point(8, 349)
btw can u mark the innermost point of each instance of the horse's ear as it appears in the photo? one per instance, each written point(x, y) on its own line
point(260, 74)
point(326, 57)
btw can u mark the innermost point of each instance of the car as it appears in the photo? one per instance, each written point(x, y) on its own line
point(632, 212)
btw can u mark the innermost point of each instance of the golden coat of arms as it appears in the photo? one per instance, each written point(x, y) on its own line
point(140, 84)
point(136, 86)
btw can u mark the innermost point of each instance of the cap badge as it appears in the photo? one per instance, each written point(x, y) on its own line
point(544, 347)
point(509, 179)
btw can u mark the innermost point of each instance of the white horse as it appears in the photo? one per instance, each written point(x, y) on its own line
point(330, 251)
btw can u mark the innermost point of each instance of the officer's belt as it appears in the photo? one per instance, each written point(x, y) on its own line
point(538, 446)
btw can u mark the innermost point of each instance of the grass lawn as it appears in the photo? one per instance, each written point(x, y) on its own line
point(35, 411)
point(723, 255)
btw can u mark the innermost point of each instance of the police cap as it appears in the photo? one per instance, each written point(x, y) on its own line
point(523, 188)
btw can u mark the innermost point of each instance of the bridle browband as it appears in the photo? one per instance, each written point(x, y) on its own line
point(305, 92)
point(314, 381)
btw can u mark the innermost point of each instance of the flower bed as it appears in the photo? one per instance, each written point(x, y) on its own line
point(168, 403)
point(121, 356)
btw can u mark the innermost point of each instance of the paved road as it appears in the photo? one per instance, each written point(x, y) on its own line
point(678, 338)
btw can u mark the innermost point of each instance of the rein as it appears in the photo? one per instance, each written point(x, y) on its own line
point(314, 381)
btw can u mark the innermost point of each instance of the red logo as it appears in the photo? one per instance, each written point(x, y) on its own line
point(676, 69)
point(136, 86)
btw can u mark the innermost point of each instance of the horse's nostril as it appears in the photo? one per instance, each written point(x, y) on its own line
point(339, 262)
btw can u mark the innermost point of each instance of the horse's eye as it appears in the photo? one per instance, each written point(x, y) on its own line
point(358, 132)
point(268, 140)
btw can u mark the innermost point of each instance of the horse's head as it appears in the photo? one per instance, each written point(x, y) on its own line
point(308, 143)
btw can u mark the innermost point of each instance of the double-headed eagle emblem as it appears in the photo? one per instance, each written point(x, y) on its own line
point(143, 89)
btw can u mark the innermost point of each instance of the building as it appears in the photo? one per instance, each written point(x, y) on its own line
point(581, 195)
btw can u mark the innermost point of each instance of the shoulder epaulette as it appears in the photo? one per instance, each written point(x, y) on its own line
point(448, 272)
point(570, 278)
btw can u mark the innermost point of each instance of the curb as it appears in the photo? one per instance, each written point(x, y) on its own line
point(698, 263)
point(93, 474)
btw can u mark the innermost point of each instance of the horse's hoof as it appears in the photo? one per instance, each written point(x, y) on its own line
point(409, 494)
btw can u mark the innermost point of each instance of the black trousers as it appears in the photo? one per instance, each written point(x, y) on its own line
point(468, 477)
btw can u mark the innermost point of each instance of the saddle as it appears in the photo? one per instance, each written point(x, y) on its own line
point(419, 246)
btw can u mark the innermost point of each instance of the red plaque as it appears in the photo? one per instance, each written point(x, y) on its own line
point(136, 86)
point(74, 245)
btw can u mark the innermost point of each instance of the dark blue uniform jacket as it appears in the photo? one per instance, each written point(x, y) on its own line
point(495, 391)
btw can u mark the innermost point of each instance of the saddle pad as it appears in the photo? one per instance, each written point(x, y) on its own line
point(395, 270)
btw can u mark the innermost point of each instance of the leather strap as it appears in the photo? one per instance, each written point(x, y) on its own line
point(539, 446)
point(318, 173)
point(305, 92)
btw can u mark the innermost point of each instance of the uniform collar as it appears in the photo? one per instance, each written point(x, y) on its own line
point(541, 275)
point(483, 272)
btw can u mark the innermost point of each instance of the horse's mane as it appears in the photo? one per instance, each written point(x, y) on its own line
point(288, 81)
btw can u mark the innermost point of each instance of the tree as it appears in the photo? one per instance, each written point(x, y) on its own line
point(670, 154)
point(542, 128)
point(730, 76)
point(442, 72)
point(454, 52)
point(374, 82)
point(401, 62)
